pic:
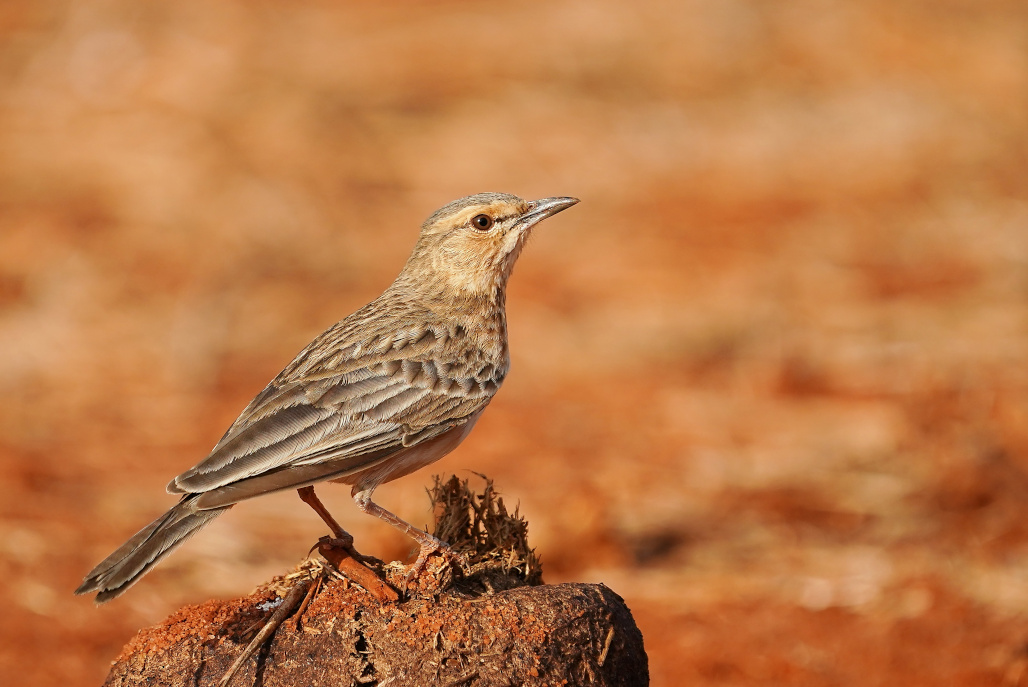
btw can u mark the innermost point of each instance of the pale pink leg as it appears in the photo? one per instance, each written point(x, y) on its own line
point(426, 541)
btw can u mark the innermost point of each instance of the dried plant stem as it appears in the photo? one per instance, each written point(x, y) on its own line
point(288, 605)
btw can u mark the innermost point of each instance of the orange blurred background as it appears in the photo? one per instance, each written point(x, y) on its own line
point(769, 378)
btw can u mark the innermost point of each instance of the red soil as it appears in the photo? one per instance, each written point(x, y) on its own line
point(768, 380)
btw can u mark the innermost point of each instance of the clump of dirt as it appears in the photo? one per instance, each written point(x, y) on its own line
point(207, 620)
point(541, 635)
point(487, 620)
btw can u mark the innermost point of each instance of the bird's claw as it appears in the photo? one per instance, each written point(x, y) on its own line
point(346, 544)
point(429, 546)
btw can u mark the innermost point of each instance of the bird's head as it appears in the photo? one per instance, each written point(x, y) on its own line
point(471, 244)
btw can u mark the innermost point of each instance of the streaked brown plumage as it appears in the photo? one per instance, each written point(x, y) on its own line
point(391, 388)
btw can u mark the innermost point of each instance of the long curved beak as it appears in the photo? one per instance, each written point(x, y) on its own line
point(543, 208)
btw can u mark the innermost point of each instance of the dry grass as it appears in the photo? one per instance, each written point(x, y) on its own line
point(478, 527)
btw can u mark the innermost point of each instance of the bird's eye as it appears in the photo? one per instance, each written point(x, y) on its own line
point(482, 222)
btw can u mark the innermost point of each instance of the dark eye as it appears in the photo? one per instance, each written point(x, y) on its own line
point(482, 222)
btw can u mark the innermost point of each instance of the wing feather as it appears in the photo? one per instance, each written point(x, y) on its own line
point(292, 477)
point(221, 469)
point(344, 404)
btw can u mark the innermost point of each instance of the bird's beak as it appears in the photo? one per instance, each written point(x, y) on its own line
point(543, 208)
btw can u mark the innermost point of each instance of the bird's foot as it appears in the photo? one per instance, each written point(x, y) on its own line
point(431, 545)
point(346, 544)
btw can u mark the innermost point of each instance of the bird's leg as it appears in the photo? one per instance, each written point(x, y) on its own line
point(426, 541)
point(340, 537)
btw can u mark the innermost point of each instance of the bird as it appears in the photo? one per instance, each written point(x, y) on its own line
point(386, 391)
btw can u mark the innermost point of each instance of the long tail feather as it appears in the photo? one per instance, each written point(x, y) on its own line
point(134, 558)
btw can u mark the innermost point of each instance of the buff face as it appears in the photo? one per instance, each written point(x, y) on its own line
point(472, 244)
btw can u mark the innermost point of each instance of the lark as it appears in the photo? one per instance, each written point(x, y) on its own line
point(390, 389)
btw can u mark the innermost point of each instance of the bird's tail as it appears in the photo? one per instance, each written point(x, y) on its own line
point(134, 558)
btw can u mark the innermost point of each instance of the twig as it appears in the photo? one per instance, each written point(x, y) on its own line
point(606, 648)
point(462, 680)
point(356, 571)
point(307, 599)
point(288, 605)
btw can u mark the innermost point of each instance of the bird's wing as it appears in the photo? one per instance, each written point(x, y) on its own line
point(344, 420)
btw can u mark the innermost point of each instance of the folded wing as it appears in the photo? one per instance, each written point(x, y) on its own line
point(302, 432)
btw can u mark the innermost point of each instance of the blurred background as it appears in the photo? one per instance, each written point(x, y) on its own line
point(769, 378)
